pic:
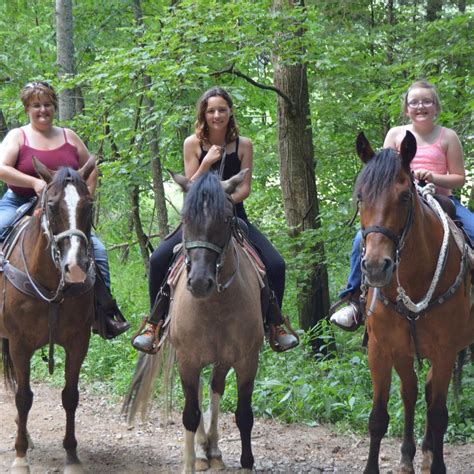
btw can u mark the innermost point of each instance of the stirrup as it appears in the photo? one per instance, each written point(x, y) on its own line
point(273, 335)
point(356, 316)
point(155, 347)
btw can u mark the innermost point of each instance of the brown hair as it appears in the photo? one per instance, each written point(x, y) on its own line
point(423, 85)
point(37, 90)
point(201, 128)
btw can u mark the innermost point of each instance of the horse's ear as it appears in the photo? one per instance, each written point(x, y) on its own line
point(88, 168)
point(231, 184)
point(181, 180)
point(364, 150)
point(42, 170)
point(408, 150)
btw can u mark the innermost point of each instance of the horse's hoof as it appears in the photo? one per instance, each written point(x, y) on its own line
point(201, 464)
point(406, 469)
point(217, 463)
point(74, 469)
point(20, 466)
point(426, 462)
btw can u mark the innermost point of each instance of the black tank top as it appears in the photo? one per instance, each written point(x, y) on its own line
point(232, 166)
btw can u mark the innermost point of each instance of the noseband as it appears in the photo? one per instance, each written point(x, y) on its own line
point(221, 252)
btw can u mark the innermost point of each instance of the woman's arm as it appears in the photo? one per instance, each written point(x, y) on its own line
point(9, 150)
point(192, 152)
point(246, 159)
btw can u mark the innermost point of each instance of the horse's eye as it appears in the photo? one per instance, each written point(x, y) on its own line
point(405, 196)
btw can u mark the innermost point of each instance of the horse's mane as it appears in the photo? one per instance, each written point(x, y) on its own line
point(65, 175)
point(378, 174)
point(204, 200)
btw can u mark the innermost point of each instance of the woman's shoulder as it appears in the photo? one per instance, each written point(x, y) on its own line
point(15, 135)
point(192, 141)
point(245, 142)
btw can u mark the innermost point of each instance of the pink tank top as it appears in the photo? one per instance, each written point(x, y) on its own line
point(433, 158)
point(65, 155)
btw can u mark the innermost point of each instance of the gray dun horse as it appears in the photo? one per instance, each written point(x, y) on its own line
point(215, 319)
point(46, 296)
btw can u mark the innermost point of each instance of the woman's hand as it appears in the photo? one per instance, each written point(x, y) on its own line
point(39, 186)
point(213, 155)
point(424, 175)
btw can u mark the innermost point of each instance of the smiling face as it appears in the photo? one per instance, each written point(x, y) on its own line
point(41, 111)
point(217, 113)
point(421, 105)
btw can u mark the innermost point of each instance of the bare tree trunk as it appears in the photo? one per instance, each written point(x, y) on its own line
point(156, 166)
point(3, 126)
point(137, 224)
point(433, 8)
point(297, 176)
point(65, 56)
point(462, 6)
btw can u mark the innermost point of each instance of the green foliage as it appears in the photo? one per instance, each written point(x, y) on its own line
point(358, 65)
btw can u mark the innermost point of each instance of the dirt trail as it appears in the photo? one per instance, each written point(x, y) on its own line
point(108, 445)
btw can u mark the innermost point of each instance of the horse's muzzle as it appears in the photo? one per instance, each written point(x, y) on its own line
point(200, 286)
point(378, 273)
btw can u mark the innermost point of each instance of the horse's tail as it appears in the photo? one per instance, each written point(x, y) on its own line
point(148, 369)
point(8, 369)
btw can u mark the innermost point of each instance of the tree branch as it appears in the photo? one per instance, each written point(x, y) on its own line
point(232, 70)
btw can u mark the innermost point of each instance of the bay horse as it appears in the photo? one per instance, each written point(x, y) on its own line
point(409, 255)
point(47, 297)
point(215, 319)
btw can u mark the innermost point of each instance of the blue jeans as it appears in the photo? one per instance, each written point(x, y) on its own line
point(9, 204)
point(355, 273)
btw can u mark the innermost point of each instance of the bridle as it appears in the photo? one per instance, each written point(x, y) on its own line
point(221, 252)
point(53, 240)
point(398, 240)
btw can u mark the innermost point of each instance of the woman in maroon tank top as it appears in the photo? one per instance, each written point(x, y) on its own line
point(53, 146)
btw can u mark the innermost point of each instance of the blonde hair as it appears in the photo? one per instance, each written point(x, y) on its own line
point(38, 90)
point(422, 84)
point(201, 128)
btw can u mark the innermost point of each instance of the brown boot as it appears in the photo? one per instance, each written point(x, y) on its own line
point(147, 338)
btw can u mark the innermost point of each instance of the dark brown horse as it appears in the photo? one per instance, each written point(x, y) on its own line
point(47, 297)
point(216, 320)
point(418, 300)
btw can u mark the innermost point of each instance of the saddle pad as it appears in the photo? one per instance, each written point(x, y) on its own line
point(461, 242)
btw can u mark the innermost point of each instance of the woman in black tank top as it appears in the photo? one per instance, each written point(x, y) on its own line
point(216, 131)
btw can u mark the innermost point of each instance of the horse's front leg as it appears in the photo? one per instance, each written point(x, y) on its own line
point(246, 372)
point(409, 392)
point(436, 393)
point(191, 413)
point(214, 454)
point(75, 355)
point(23, 399)
point(380, 370)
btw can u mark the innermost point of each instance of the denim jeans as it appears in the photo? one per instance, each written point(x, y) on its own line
point(355, 273)
point(11, 201)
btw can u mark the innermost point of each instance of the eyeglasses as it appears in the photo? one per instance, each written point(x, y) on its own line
point(32, 85)
point(413, 104)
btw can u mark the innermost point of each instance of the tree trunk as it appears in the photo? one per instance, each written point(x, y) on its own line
point(297, 176)
point(65, 56)
point(3, 126)
point(433, 8)
point(156, 166)
point(137, 224)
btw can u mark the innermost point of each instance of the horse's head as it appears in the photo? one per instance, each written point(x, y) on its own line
point(66, 217)
point(385, 194)
point(207, 217)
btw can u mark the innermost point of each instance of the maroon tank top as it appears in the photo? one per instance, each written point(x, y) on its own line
point(65, 155)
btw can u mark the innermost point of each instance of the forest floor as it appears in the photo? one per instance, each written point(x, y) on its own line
point(108, 445)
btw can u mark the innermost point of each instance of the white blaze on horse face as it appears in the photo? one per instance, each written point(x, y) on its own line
point(71, 197)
